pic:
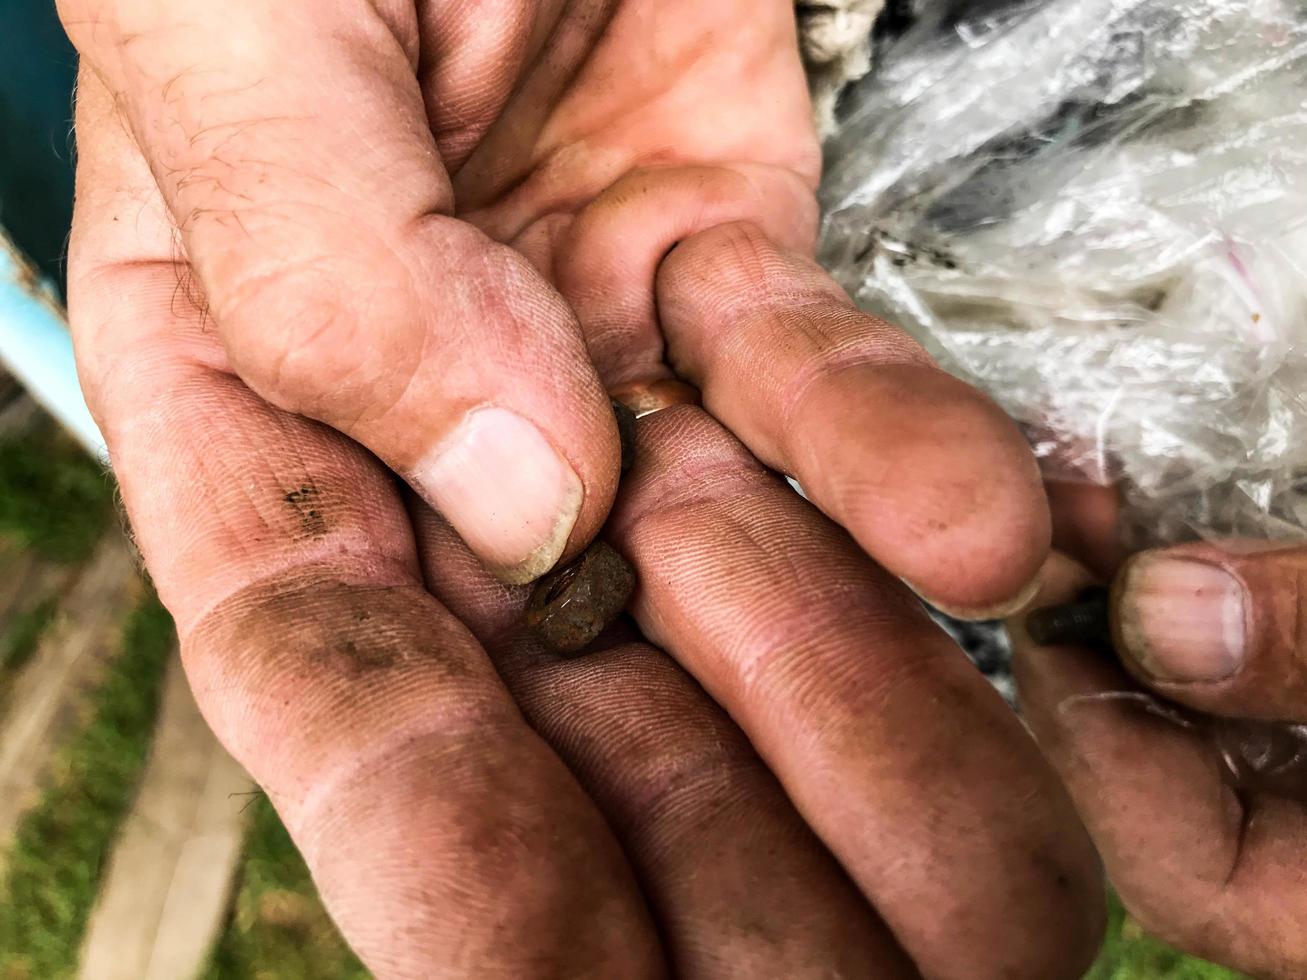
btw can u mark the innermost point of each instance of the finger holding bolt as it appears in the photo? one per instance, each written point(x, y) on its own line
point(570, 607)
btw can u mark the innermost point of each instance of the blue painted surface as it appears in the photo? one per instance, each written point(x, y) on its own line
point(37, 70)
point(36, 348)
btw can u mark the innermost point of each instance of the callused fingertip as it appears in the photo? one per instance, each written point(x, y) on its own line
point(978, 614)
point(1180, 620)
point(511, 496)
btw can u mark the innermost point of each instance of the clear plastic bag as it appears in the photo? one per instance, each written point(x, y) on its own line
point(1096, 210)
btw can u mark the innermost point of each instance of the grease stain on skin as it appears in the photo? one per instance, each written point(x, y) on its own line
point(351, 659)
point(306, 502)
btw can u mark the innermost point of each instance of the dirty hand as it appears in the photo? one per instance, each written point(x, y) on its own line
point(413, 224)
point(1217, 628)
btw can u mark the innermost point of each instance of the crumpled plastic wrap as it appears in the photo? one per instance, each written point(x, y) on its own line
point(1096, 210)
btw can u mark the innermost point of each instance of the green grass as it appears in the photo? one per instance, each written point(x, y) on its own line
point(54, 499)
point(279, 930)
point(57, 503)
point(22, 634)
point(1130, 954)
point(58, 854)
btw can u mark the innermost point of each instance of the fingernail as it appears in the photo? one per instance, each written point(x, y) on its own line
point(506, 491)
point(1181, 620)
point(980, 614)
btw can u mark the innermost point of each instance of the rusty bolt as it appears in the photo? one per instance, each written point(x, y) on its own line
point(569, 608)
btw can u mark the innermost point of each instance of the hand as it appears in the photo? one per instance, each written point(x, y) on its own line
point(332, 213)
point(1215, 628)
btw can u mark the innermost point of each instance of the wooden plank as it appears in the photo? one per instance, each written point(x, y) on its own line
point(164, 900)
point(36, 349)
point(25, 582)
point(16, 568)
point(46, 694)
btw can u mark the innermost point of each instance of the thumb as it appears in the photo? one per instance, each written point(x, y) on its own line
point(288, 145)
point(1218, 627)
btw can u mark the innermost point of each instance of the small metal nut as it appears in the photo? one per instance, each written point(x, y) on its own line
point(569, 608)
point(646, 397)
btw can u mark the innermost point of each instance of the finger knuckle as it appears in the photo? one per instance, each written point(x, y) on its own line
point(308, 664)
point(307, 335)
point(732, 249)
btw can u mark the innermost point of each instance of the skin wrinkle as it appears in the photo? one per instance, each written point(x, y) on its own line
point(366, 567)
point(756, 274)
point(478, 727)
point(523, 889)
point(341, 324)
point(730, 507)
point(197, 177)
point(834, 341)
point(240, 533)
point(689, 478)
point(675, 780)
point(266, 503)
point(823, 367)
point(667, 79)
point(401, 18)
point(579, 135)
point(656, 78)
point(552, 71)
point(339, 685)
point(459, 123)
point(238, 126)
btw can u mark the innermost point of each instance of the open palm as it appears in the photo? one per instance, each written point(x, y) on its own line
point(318, 243)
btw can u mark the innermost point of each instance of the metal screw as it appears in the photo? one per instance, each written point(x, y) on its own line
point(1085, 622)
